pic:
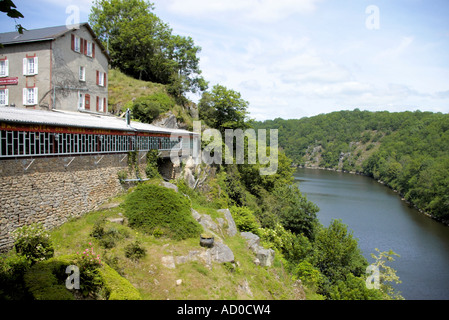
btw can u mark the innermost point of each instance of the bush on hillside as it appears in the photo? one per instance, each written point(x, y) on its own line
point(245, 219)
point(148, 108)
point(151, 207)
point(34, 242)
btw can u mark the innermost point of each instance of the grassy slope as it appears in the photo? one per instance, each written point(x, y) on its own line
point(124, 89)
point(149, 276)
point(157, 282)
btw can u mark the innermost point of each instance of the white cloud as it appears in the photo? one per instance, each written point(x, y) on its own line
point(255, 10)
point(396, 51)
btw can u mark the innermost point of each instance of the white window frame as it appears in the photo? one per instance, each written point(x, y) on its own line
point(77, 44)
point(82, 74)
point(101, 78)
point(4, 68)
point(100, 104)
point(4, 97)
point(30, 66)
point(30, 96)
point(89, 49)
point(81, 101)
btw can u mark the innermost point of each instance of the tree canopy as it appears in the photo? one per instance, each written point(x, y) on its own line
point(143, 46)
point(409, 151)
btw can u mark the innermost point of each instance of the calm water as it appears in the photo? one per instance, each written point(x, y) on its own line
point(379, 219)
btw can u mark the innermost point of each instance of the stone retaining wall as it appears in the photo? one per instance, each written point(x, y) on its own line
point(53, 190)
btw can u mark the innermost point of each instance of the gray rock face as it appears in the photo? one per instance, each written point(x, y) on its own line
point(221, 253)
point(169, 185)
point(264, 257)
point(232, 228)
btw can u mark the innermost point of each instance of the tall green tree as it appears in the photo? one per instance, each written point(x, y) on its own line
point(142, 45)
point(223, 108)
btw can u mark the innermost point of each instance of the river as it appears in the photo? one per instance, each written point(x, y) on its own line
point(378, 218)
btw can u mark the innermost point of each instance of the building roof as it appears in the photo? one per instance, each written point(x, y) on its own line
point(80, 120)
point(45, 34)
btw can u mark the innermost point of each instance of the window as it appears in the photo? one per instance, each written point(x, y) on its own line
point(80, 101)
point(89, 49)
point(4, 68)
point(82, 74)
point(4, 97)
point(30, 96)
point(30, 66)
point(76, 43)
point(101, 78)
point(100, 104)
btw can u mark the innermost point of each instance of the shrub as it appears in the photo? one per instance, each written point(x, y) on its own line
point(12, 268)
point(151, 206)
point(34, 242)
point(245, 220)
point(135, 251)
point(151, 169)
point(148, 108)
point(107, 238)
point(46, 281)
point(90, 280)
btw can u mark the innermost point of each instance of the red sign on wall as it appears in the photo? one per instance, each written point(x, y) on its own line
point(9, 81)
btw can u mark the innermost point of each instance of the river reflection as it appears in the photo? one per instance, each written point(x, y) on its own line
point(379, 219)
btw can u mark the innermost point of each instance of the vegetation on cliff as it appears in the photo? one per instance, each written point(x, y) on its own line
point(409, 151)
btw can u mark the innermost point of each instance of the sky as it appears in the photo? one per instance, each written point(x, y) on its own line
point(299, 58)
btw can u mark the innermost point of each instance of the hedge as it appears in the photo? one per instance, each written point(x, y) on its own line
point(46, 281)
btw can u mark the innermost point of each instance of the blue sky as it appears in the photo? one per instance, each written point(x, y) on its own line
point(296, 58)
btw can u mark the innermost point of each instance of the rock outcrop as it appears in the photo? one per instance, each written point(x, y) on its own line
point(264, 257)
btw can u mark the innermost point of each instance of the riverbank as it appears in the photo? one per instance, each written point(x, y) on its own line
point(401, 195)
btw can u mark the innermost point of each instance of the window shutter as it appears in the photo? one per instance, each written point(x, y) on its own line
point(98, 103)
point(105, 78)
point(73, 42)
point(98, 77)
point(85, 47)
point(24, 93)
point(6, 68)
point(93, 50)
point(87, 102)
point(6, 97)
point(25, 66)
point(105, 109)
point(81, 45)
point(35, 100)
point(36, 65)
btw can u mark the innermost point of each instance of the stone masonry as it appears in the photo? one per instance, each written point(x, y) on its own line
point(53, 190)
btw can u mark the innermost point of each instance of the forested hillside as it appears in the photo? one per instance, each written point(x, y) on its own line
point(409, 151)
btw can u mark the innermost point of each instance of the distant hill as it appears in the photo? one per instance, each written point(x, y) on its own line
point(408, 151)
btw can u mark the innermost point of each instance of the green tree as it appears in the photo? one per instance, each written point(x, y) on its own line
point(387, 274)
point(142, 45)
point(223, 108)
point(337, 254)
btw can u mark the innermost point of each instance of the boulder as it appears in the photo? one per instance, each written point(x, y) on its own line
point(221, 253)
point(251, 239)
point(169, 185)
point(168, 262)
point(232, 228)
point(264, 257)
point(117, 220)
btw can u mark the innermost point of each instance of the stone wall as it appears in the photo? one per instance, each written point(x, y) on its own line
point(53, 190)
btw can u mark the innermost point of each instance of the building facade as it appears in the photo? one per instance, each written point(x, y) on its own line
point(54, 68)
